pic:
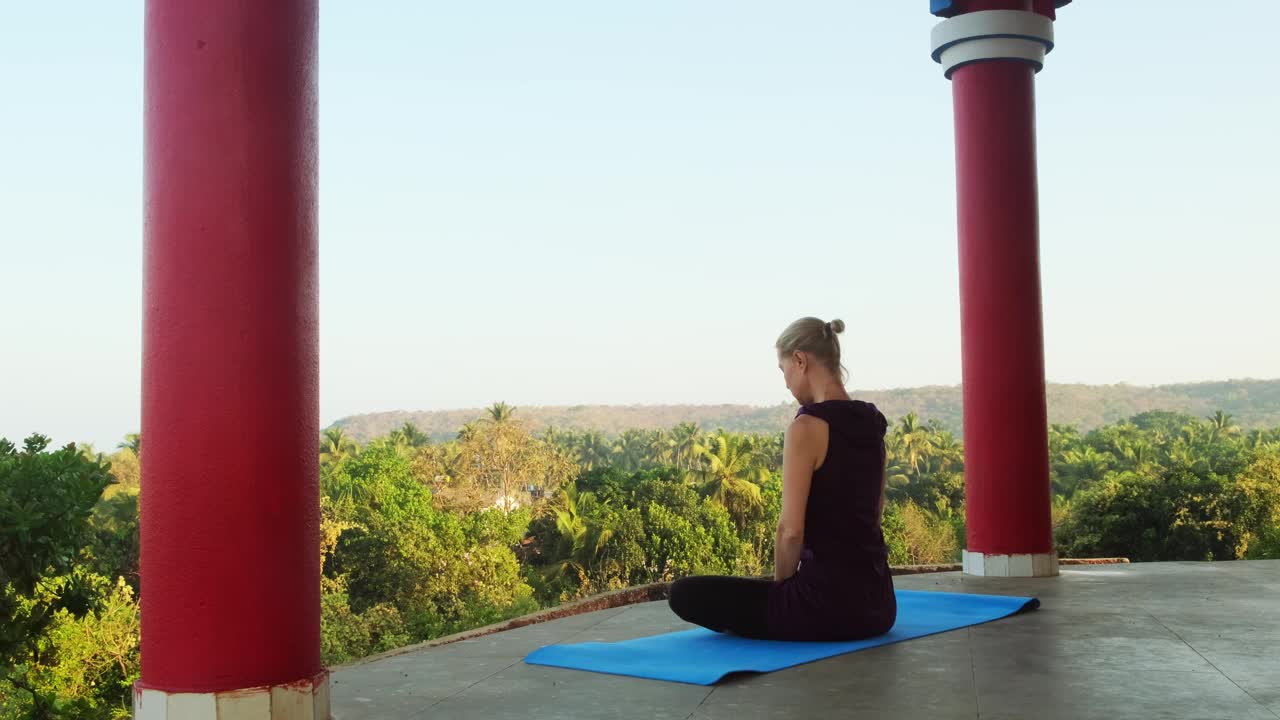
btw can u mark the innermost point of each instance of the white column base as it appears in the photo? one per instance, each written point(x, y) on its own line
point(984, 565)
point(302, 700)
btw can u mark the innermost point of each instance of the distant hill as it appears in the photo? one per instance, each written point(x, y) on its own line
point(1254, 403)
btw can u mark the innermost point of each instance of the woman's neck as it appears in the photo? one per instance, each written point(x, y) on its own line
point(831, 391)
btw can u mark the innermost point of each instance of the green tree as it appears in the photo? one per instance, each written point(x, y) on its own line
point(409, 436)
point(659, 453)
point(1222, 425)
point(916, 537)
point(684, 532)
point(593, 451)
point(1258, 489)
point(91, 661)
point(731, 473)
point(116, 549)
point(132, 441)
point(126, 469)
point(439, 571)
point(898, 474)
point(1180, 514)
point(1161, 423)
point(684, 442)
point(46, 499)
point(439, 466)
point(771, 451)
point(510, 464)
point(582, 535)
point(336, 445)
point(915, 442)
point(500, 412)
point(1085, 466)
point(468, 431)
point(924, 464)
point(634, 528)
point(633, 449)
point(1259, 439)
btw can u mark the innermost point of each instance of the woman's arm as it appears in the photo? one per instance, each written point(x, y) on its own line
point(799, 458)
point(884, 482)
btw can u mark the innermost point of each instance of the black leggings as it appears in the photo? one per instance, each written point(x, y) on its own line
point(735, 605)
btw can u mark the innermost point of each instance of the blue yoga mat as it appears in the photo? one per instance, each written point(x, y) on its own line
point(703, 657)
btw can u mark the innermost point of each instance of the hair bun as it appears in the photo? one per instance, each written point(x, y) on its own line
point(836, 326)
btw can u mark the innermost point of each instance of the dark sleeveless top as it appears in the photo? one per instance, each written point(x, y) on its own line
point(843, 589)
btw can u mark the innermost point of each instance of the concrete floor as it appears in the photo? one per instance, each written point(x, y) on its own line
point(1165, 640)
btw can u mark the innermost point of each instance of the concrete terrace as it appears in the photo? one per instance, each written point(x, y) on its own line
point(1165, 640)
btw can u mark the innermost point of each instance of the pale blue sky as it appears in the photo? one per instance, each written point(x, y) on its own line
point(591, 202)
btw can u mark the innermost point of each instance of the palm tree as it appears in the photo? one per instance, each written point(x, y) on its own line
point(1222, 425)
point(1061, 438)
point(449, 462)
point(593, 450)
point(90, 452)
point(916, 443)
point(408, 435)
point(1089, 462)
point(659, 450)
point(684, 441)
point(731, 472)
point(1115, 438)
point(948, 451)
point(500, 412)
point(631, 449)
point(1260, 439)
point(585, 538)
point(1194, 446)
point(1190, 431)
point(467, 431)
point(132, 441)
point(771, 450)
point(1139, 451)
point(335, 445)
point(1087, 465)
point(897, 472)
point(1182, 450)
point(555, 436)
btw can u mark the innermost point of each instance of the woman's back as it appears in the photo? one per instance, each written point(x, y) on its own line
point(843, 588)
point(842, 517)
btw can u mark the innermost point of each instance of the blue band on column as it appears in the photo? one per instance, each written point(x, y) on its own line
point(941, 8)
point(946, 8)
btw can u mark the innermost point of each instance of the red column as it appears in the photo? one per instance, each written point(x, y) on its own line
point(230, 415)
point(1005, 426)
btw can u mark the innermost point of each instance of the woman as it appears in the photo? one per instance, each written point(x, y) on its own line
point(831, 569)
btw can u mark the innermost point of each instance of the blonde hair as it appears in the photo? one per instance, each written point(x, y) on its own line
point(816, 338)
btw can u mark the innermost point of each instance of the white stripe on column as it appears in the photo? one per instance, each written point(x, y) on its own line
point(305, 700)
point(1020, 565)
point(992, 35)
